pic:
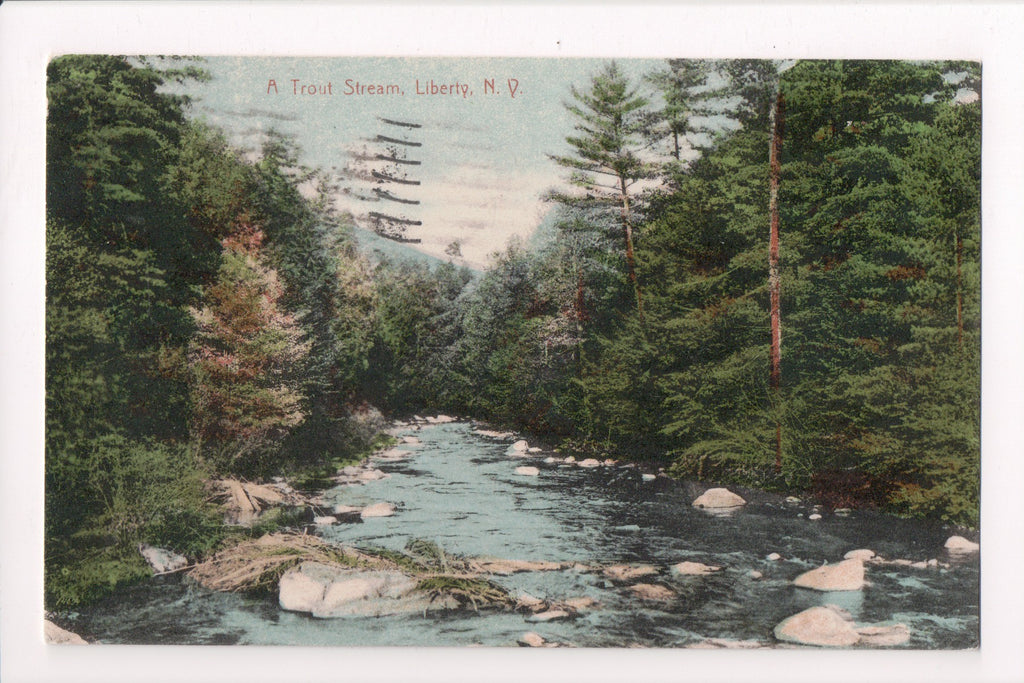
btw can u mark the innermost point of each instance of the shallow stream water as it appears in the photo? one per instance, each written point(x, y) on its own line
point(459, 489)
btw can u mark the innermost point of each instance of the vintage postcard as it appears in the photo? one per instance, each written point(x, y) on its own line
point(579, 352)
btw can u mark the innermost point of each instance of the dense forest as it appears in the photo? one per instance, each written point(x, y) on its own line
point(789, 301)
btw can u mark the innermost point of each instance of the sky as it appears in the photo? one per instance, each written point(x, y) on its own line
point(483, 152)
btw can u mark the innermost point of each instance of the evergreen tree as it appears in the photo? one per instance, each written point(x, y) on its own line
point(606, 162)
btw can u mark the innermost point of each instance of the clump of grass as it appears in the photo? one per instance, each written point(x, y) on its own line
point(257, 566)
point(473, 591)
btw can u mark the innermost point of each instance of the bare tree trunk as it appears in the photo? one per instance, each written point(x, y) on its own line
point(627, 229)
point(959, 292)
point(774, 279)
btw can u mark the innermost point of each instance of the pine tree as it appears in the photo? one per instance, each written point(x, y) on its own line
point(606, 162)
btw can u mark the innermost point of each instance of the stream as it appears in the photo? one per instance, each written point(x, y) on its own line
point(459, 489)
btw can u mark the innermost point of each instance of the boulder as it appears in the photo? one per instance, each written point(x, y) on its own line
point(628, 572)
point(569, 460)
point(527, 471)
point(348, 590)
point(826, 626)
point(792, 500)
point(863, 554)
point(648, 477)
point(693, 569)
point(773, 557)
point(814, 517)
point(162, 560)
point(550, 460)
point(326, 520)
point(754, 574)
point(369, 593)
point(531, 639)
point(534, 449)
point(520, 446)
point(55, 635)
point(302, 589)
point(959, 544)
point(346, 510)
point(718, 498)
point(847, 575)
point(411, 440)
point(378, 510)
point(589, 463)
point(651, 591)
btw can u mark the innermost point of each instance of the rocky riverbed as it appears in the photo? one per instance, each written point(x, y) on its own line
point(571, 553)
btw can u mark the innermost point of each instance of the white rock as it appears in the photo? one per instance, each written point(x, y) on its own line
point(346, 510)
point(754, 574)
point(520, 446)
point(365, 593)
point(862, 554)
point(693, 569)
point(551, 460)
point(528, 471)
point(55, 635)
point(589, 462)
point(773, 557)
point(718, 498)
point(959, 544)
point(378, 510)
point(814, 517)
point(326, 520)
point(847, 575)
point(531, 639)
point(609, 462)
point(412, 440)
point(648, 477)
point(533, 449)
point(824, 626)
point(349, 590)
point(792, 499)
point(162, 560)
point(300, 591)
point(569, 459)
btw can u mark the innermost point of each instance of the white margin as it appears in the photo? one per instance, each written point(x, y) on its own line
point(32, 32)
